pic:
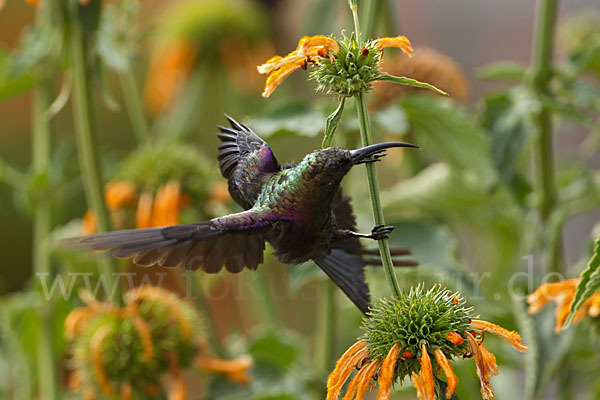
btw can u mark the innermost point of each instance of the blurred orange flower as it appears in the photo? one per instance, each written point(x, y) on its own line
point(157, 210)
point(562, 294)
point(90, 335)
point(426, 65)
point(169, 68)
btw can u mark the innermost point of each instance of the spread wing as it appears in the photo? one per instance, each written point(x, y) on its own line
point(234, 242)
point(244, 159)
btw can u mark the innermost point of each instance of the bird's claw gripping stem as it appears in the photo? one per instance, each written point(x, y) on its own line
point(380, 232)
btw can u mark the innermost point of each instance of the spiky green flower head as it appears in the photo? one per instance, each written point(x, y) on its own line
point(415, 318)
point(134, 345)
point(350, 70)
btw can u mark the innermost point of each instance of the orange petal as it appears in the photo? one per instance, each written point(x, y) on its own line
point(343, 361)
point(89, 225)
point(451, 379)
point(343, 368)
point(143, 216)
point(455, 338)
point(166, 298)
point(323, 41)
point(75, 321)
point(486, 391)
point(236, 370)
point(594, 309)
point(511, 337)
point(490, 361)
point(178, 392)
point(367, 378)
point(126, 391)
point(549, 291)
point(143, 331)
point(418, 383)
point(35, 3)
point(97, 363)
point(119, 194)
point(427, 374)
point(400, 42)
point(170, 67)
point(165, 211)
point(353, 385)
point(276, 77)
point(387, 372)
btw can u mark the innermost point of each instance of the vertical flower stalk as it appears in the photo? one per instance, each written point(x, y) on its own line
point(134, 105)
point(41, 132)
point(365, 133)
point(86, 138)
point(541, 74)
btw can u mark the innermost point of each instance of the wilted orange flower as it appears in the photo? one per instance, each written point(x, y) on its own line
point(92, 338)
point(278, 68)
point(562, 294)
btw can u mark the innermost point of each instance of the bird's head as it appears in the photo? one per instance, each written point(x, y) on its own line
point(328, 166)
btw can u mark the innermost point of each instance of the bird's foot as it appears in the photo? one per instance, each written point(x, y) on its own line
point(374, 158)
point(380, 232)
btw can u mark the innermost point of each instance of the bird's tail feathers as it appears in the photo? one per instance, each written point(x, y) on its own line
point(347, 271)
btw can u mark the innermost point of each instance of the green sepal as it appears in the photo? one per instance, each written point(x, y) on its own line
point(332, 123)
point(589, 283)
point(402, 80)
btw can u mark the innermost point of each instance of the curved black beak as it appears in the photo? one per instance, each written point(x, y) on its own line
point(360, 155)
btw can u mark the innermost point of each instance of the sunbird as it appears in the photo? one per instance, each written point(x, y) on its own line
point(299, 209)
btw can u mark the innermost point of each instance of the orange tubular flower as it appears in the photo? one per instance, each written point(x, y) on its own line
point(402, 337)
point(400, 42)
point(278, 68)
point(169, 68)
point(451, 379)
point(562, 294)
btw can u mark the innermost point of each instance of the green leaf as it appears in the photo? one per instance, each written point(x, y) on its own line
point(588, 285)
point(502, 71)
point(332, 122)
point(444, 130)
point(402, 80)
point(291, 117)
point(10, 84)
point(508, 118)
point(275, 349)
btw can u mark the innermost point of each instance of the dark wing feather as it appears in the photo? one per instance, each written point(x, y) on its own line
point(234, 242)
point(347, 271)
point(244, 158)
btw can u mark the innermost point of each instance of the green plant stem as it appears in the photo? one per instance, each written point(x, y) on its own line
point(354, 9)
point(384, 249)
point(370, 14)
point(46, 357)
point(264, 299)
point(134, 105)
point(326, 327)
point(86, 140)
point(365, 133)
point(541, 74)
